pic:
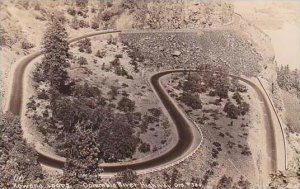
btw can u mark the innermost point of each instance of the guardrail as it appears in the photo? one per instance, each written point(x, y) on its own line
point(279, 121)
point(62, 160)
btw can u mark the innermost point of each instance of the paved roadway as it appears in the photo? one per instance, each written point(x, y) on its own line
point(189, 135)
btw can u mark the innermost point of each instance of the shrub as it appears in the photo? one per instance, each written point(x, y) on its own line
point(100, 54)
point(17, 158)
point(135, 54)
point(118, 56)
point(225, 183)
point(192, 83)
point(212, 93)
point(155, 112)
point(107, 15)
point(288, 79)
point(231, 110)
point(26, 45)
point(86, 91)
point(95, 25)
point(119, 70)
point(244, 183)
point(74, 23)
point(85, 45)
point(126, 105)
point(222, 91)
point(244, 108)
point(82, 61)
point(111, 40)
point(83, 24)
point(116, 138)
point(246, 151)
point(115, 62)
point(144, 147)
point(43, 95)
point(238, 98)
point(242, 88)
point(59, 16)
point(113, 92)
point(71, 11)
point(191, 100)
point(129, 77)
point(128, 4)
point(82, 3)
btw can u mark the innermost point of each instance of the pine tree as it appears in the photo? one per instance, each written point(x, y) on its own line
point(56, 55)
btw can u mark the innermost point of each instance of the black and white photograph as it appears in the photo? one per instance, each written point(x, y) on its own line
point(149, 94)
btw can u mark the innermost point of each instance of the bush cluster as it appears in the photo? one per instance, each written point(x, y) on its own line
point(191, 99)
point(234, 111)
point(17, 158)
point(85, 45)
point(87, 113)
point(288, 80)
point(80, 124)
point(100, 54)
point(144, 147)
point(126, 105)
point(82, 61)
point(26, 45)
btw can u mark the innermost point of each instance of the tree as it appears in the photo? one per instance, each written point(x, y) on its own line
point(56, 57)
point(231, 110)
point(222, 91)
point(191, 100)
point(144, 147)
point(111, 137)
point(17, 158)
point(82, 61)
point(192, 84)
point(85, 45)
point(126, 105)
point(244, 108)
point(238, 98)
point(116, 138)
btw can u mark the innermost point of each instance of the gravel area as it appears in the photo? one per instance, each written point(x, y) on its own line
point(166, 50)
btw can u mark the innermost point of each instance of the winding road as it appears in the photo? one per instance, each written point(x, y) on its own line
point(189, 134)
